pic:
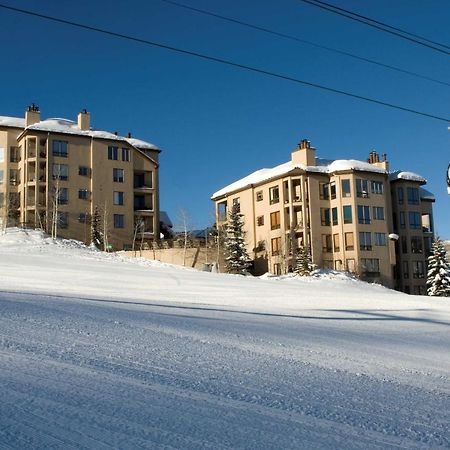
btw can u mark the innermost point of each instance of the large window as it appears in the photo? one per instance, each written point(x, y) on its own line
point(119, 220)
point(402, 219)
point(63, 219)
point(336, 245)
point(237, 204)
point(416, 244)
point(325, 216)
point(276, 245)
point(275, 220)
point(362, 188)
point(363, 214)
point(60, 148)
point(400, 195)
point(378, 213)
point(418, 269)
point(118, 175)
point(365, 240)
point(60, 171)
point(349, 241)
point(324, 191)
point(118, 198)
point(370, 265)
point(415, 220)
point(83, 194)
point(327, 246)
point(62, 195)
point(377, 187)
point(380, 239)
point(125, 154)
point(113, 153)
point(334, 215)
point(274, 195)
point(347, 210)
point(345, 185)
point(413, 196)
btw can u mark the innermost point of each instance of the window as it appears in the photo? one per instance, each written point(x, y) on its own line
point(333, 190)
point(222, 211)
point(118, 175)
point(378, 213)
point(297, 190)
point(324, 191)
point(118, 220)
point(365, 241)
point(113, 153)
point(60, 148)
point(380, 239)
point(237, 204)
point(362, 188)
point(277, 269)
point(416, 244)
point(83, 194)
point(418, 269)
point(117, 198)
point(274, 195)
point(14, 154)
point(83, 218)
point(83, 171)
point(413, 196)
point(125, 154)
point(370, 265)
point(259, 196)
point(350, 263)
point(62, 195)
point(349, 241)
point(334, 215)
point(404, 245)
point(345, 185)
point(260, 221)
point(60, 171)
point(327, 246)
point(275, 220)
point(2, 176)
point(415, 220)
point(405, 270)
point(325, 216)
point(347, 210)
point(402, 219)
point(276, 245)
point(2, 155)
point(63, 219)
point(14, 177)
point(336, 242)
point(400, 195)
point(363, 214)
point(377, 187)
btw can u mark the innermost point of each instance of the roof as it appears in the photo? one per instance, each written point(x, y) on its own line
point(322, 166)
point(408, 176)
point(66, 126)
point(426, 195)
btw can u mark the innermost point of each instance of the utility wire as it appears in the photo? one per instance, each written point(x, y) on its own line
point(383, 24)
point(303, 41)
point(323, 6)
point(222, 61)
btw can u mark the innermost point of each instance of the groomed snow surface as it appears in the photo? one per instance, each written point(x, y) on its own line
point(101, 352)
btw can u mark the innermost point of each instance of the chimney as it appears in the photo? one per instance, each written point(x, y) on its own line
point(84, 120)
point(32, 115)
point(374, 159)
point(129, 135)
point(304, 154)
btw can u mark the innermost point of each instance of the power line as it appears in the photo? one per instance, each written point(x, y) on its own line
point(303, 41)
point(323, 6)
point(382, 24)
point(222, 61)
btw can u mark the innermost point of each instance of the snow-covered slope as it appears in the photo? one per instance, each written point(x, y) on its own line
point(99, 351)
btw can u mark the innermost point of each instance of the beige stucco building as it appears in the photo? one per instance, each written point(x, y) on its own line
point(347, 211)
point(55, 173)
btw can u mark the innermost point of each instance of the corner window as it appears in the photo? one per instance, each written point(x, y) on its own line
point(345, 187)
point(362, 188)
point(274, 195)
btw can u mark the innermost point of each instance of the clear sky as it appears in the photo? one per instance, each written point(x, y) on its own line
point(216, 124)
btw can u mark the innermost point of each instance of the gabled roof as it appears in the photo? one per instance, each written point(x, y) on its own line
point(322, 166)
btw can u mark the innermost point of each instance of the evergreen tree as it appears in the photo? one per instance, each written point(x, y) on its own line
point(96, 231)
point(237, 259)
point(303, 262)
point(438, 278)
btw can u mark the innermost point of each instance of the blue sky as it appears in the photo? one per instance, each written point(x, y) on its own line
point(216, 124)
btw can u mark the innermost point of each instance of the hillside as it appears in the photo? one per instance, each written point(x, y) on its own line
point(100, 351)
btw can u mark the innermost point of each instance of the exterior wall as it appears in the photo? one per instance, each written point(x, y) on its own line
point(38, 185)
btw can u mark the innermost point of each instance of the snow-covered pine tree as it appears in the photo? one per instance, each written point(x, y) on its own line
point(438, 278)
point(303, 262)
point(96, 231)
point(237, 259)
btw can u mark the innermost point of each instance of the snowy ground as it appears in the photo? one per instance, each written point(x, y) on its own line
point(97, 351)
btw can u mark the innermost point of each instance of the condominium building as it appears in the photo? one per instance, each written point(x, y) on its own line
point(55, 174)
point(342, 210)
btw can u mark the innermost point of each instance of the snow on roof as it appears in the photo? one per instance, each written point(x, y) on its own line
point(16, 122)
point(322, 166)
point(426, 195)
point(409, 176)
point(142, 144)
point(165, 219)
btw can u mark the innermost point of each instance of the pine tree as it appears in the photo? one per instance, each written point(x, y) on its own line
point(237, 259)
point(96, 231)
point(303, 262)
point(438, 278)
